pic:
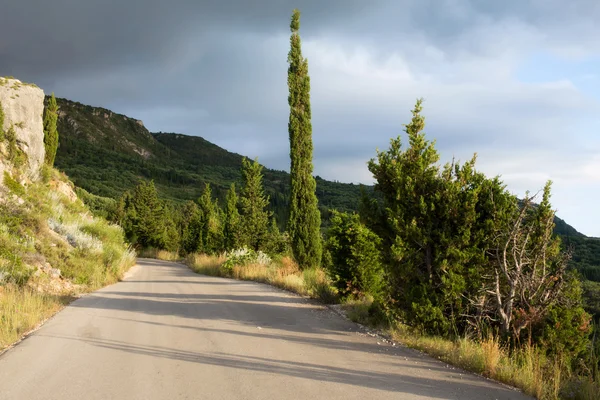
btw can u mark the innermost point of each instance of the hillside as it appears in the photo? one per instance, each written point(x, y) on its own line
point(107, 153)
point(51, 247)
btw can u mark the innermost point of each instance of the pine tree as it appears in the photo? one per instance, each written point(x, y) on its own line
point(146, 216)
point(191, 236)
point(232, 221)
point(50, 132)
point(212, 233)
point(255, 217)
point(304, 220)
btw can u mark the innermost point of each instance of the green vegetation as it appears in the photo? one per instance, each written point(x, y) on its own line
point(12, 185)
point(354, 257)
point(108, 154)
point(232, 225)
point(200, 226)
point(146, 219)
point(50, 132)
point(253, 203)
point(281, 272)
point(446, 260)
point(51, 248)
point(305, 221)
point(441, 256)
point(44, 235)
point(100, 151)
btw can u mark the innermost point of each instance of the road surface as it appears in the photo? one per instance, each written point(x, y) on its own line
point(167, 333)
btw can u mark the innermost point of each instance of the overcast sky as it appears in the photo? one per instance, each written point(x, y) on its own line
point(515, 81)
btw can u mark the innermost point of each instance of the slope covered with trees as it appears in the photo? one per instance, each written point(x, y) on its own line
point(107, 153)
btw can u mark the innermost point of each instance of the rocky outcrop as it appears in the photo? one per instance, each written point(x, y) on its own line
point(23, 106)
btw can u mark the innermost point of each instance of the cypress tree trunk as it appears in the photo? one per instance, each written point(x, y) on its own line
point(305, 221)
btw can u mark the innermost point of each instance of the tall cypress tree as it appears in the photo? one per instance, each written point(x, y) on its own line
point(305, 220)
point(50, 132)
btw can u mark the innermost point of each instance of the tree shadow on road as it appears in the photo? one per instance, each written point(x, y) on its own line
point(388, 381)
point(240, 311)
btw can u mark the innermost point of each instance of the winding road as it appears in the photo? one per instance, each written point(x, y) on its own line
point(167, 333)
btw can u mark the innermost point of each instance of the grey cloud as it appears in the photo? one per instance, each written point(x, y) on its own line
point(218, 69)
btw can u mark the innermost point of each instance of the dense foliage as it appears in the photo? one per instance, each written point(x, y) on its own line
point(253, 203)
point(305, 221)
point(202, 225)
point(50, 132)
point(354, 257)
point(463, 255)
point(108, 154)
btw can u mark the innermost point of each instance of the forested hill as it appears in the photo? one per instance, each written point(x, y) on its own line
point(107, 153)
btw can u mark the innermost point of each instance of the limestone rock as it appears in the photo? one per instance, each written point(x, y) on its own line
point(23, 106)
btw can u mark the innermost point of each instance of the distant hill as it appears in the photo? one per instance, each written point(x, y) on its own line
point(107, 153)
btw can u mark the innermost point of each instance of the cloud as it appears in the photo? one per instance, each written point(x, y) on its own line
point(218, 69)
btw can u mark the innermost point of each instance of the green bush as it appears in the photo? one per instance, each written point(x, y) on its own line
point(353, 258)
point(13, 185)
point(318, 285)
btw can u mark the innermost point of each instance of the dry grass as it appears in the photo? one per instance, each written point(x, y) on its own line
point(526, 368)
point(160, 254)
point(283, 273)
point(206, 265)
point(43, 231)
point(23, 309)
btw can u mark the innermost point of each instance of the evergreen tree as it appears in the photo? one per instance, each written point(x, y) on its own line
point(355, 258)
point(212, 233)
point(145, 216)
point(255, 217)
point(304, 220)
point(232, 221)
point(171, 236)
point(50, 132)
point(277, 242)
point(191, 236)
point(436, 226)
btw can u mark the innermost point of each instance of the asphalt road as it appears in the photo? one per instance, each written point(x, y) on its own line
point(167, 333)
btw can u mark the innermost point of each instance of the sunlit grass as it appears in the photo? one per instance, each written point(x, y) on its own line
point(23, 309)
point(526, 368)
point(47, 232)
point(283, 273)
point(160, 254)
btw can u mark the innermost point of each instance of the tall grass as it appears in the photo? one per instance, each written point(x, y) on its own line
point(44, 230)
point(159, 254)
point(526, 368)
point(206, 265)
point(22, 309)
point(283, 273)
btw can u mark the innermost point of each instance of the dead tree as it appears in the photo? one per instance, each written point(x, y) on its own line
point(528, 267)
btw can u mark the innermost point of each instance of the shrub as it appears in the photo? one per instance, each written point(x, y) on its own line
point(318, 285)
point(245, 256)
point(13, 185)
point(353, 259)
